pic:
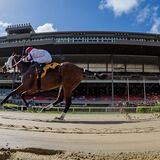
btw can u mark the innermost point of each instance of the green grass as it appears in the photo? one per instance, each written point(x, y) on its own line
point(9, 105)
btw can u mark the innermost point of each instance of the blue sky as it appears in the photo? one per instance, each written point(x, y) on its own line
point(82, 15)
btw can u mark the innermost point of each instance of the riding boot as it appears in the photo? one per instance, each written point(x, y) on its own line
point(40, 69)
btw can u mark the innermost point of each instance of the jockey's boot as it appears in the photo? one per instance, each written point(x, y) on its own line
point(39, 68)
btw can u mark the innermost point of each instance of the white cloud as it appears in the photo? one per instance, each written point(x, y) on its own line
point(47, 27)
point(155, 28)
point(150, 15)
point(3, 26)
point(155, 20)
point(143, 14)
point(119, 6)
point(155, 11)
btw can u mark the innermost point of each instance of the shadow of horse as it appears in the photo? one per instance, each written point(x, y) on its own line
point(77, 121)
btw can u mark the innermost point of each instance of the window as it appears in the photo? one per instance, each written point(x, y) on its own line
point(82, 65)
point(97, 67)
point(134, 68)
point(119, 68)
point(151, 68)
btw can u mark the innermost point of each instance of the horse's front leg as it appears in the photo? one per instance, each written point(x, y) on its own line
point(25, 102)
point(7, 97)
point(18, 90)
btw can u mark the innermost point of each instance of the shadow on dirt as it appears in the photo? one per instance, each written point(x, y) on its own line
point(76, 121)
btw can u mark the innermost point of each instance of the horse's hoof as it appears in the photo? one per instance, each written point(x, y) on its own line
point(59, 118)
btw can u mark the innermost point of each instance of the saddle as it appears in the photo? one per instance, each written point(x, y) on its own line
point(45, 68)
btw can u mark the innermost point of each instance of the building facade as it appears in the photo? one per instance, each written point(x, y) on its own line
point(131, 61)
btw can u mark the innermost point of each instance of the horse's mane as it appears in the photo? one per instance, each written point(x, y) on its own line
point(24, 67)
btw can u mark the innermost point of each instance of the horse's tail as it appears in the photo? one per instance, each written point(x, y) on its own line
point(93, 75)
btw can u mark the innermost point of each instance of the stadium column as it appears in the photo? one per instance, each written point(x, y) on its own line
point(128, 89)
point(13, 78)
point(159, 62)
point(112, 68)
point(144, 89)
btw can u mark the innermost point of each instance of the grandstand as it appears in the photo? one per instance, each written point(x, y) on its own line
point(131, 61)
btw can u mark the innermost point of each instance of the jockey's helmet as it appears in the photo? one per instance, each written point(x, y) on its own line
point(28, 49)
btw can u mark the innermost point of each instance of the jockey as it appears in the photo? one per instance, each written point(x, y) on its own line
point(38, 56)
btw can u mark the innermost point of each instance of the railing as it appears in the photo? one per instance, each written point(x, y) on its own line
point(79, 109)
point(92, 109)
point(118, 78)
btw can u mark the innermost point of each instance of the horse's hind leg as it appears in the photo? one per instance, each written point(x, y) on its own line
point(58, 100)
point(69, 82)
point(60, 96)
point(67, 97)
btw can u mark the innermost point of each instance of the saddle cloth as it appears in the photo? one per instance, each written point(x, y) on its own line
point(52, 65)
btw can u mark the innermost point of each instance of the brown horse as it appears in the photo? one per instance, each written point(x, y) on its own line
point(66, 76)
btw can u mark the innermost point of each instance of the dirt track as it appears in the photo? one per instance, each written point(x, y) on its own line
point(83, 136)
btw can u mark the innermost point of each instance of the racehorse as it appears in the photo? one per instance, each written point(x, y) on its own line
point(66, 76)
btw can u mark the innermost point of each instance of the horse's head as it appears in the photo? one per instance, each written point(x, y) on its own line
point(10, 63)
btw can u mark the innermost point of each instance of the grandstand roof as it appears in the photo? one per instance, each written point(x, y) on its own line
point(19, 29)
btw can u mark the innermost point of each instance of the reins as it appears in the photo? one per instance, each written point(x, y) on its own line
point(16, 63)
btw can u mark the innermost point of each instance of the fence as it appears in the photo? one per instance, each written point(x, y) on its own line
point(75, 109)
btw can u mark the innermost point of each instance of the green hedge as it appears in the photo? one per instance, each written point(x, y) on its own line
point(145, 109)
point(155, 109)
point(158, 104)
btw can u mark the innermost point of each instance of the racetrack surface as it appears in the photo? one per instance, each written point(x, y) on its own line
point(80, 136)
